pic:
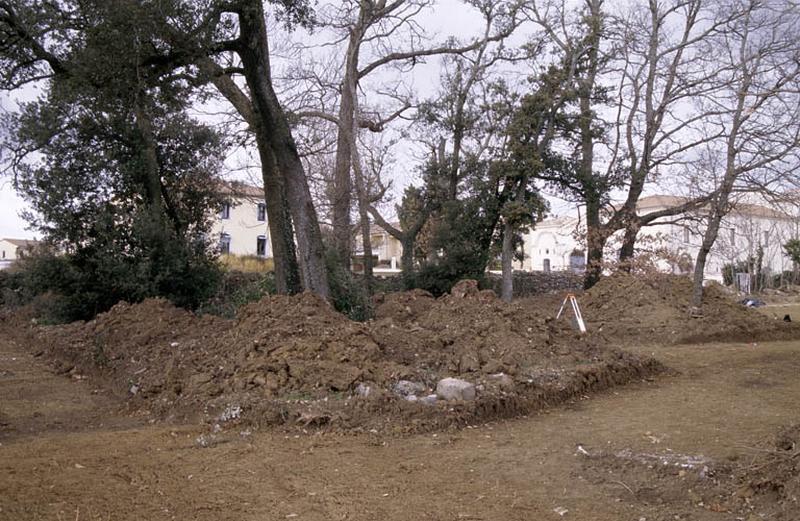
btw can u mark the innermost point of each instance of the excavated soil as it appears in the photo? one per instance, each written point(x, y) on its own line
point(758, 482)
point(627, 309)
point(294, 360)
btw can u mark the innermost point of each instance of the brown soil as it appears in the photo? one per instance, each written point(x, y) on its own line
point(633, 310)
point(294, 360)
point(66, 454)
point(751, 483)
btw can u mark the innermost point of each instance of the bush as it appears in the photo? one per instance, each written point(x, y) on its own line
point(77, 286)
point(236, 289)
point(440, 278)
point(349, 295)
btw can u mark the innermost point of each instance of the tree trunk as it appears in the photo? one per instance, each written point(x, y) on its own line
point(595, 242)
point(151, 175)
point(363, 196)
point(627, 250)
point(507, 291)
point(342, 182)
point(709, 238)
point(254, 52)
point(342, 189)
point(407, 260)
point(287, 274)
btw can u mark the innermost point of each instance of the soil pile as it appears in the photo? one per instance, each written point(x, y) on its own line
point(634, 309)
point(286, 359)
point(142, 349)
point(473, 332)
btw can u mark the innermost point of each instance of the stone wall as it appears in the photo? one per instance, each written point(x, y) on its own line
point(529, 284)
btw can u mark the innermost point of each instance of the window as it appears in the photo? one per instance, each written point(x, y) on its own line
point(766, 238)
point(686, 235)
point(4, 254)
point(733, 236)
point(262, 212)
point(225, 211)
point(261, 246)
point(224, 243)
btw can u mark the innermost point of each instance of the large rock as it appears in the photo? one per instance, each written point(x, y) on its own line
point(455, 389)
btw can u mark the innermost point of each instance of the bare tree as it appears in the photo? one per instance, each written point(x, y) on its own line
point(665, 62)
point(759, 98)
point(382, 34)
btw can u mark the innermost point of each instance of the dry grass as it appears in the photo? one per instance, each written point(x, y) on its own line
point(247, 263)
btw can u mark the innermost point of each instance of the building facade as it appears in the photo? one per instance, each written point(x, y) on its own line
point(556, 244)
point(240, 226)
point(13, 249)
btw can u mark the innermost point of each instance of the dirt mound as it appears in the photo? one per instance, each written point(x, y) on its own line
point(632, 309)
point(143, 349)
point(295, 359)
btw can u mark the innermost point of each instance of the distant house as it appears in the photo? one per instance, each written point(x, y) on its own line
point(556, 244)
point(13, 249)
point(240, 224)
point(386, 251)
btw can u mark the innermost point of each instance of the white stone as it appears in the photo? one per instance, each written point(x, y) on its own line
point(431, 399)
point(363, 390)
point(455, 389)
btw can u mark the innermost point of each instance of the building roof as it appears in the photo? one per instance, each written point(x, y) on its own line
point(240, 189)
point(22, 243)
point(375, 229)
point(663, 200)
point(745, 209)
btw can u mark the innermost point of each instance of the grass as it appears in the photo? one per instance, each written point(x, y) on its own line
point(247, 263)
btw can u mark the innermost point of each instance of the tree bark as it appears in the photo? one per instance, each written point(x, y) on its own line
point(595, 242)
point(279, 219)
point(151, 175)
point(254, 52)
point(342, 182)
point(507, 290)
point(628, 247)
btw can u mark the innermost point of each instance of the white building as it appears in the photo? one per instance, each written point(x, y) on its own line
point(13, 249)
point(556, 244)
point(241, 225)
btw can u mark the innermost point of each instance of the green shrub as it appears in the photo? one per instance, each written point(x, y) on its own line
point(236, 289)
point(348, 291)
point(77, 286)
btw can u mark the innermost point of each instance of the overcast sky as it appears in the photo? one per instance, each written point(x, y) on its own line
point(449, 18)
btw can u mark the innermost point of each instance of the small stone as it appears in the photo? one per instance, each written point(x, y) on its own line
point(134, 389)
point(502, 380)
point(259, 380)
point(455, 389)
point(431, 399)
point(363, 390)
point(407, 388)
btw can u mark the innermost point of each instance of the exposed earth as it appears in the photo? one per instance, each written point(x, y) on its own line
point(149, 412)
